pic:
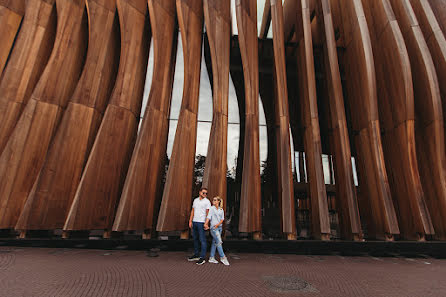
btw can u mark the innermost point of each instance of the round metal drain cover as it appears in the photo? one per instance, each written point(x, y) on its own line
point(283, 283)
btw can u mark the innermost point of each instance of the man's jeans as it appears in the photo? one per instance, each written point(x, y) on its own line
point(217, 243)
point(199, 238)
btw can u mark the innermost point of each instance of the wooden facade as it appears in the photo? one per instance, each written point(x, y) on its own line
point(353, 93)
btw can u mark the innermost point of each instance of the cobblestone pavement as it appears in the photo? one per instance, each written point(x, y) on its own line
point(78, 272)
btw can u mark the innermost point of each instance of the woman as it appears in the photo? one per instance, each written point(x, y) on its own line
point(216, 216)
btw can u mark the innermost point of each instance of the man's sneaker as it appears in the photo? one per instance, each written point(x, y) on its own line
point(224, 261)
point(212, 260)
point(193, 258)
point(201, 261)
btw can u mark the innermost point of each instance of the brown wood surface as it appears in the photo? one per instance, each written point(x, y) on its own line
point(217, 14)
point(350, 224)
point(250, 219)
point(47, 205)
point(25, 150)
point(100, 187)
point(429, 17)
point(142, 186)
point(300, 20)
point(27, 62)
point(396, 112)
point(429, 121)
point(285, 176)
point(361, 97)
point(177, 195)
point(266, 20)
point(11, 15)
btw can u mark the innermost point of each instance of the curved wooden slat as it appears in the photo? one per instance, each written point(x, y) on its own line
point(362, 99)
point(217, 14)
point(436, 42)
point(96, 197)
point(439, 10)
point(266, 20)
point(142, 185)
point(396, 111)
point(285, 177)
point(47, 206)
point(25, 151)
point(250, 219)
point(345, 189)
point(308, 101)
point(27, 62)
point(11, 15)
point(429, 122)
point(177, 195)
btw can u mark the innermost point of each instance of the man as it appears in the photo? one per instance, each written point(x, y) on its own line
point(200, 209)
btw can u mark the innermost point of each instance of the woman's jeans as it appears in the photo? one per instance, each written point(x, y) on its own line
point(199, 239)
point(217, 243)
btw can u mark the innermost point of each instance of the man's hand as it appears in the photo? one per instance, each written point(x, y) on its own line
point(190, 224)
point(206, 227)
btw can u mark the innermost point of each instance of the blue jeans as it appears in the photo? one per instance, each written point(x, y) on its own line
point(217, 243)
point(199, 239)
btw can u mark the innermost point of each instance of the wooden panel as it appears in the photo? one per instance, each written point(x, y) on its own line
point(177, 195)
point(11, 14)
point(396, 111)
point(142, 186)
point(362, 101)
point(217, 15)
point(439, 9)
point(308, 101)
point(96, 198)
point(429, 127)
point(350, 224)
point(27, 62)
point(47, 205)
point(250, 219)
point(285, 177)
point(25, 151)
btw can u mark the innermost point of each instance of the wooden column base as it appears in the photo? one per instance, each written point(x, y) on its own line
point(184, 234)
point(389, 237)
point(65, 234)
point(257, 235)
point(147, 234)
point(107, 234)
point(22, 234)
point(325, 237)
point(291, 236)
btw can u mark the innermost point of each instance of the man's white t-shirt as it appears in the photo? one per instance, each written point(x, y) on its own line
point(200, 207)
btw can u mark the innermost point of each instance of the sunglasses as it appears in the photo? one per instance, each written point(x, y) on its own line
point(204, 193)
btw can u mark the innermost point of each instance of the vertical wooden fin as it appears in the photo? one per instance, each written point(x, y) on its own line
point(217, 15)
point(250, 197)
point(177, 195)
point(47, 206)
point(27, 62)
point(25, 150)
point(11, 15)
point(350, 224)
point(429, 121)
point(142, 185)
point(266, 19)
point(435, 38)
point(362, 99)
point(96, 197)
point(285, 177)
point(396, 112)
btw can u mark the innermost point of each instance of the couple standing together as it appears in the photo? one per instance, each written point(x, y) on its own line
point(201, 216)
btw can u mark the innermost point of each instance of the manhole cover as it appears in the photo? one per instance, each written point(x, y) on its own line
point(288, 284)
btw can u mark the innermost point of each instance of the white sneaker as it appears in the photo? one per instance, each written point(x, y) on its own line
point(212, 260)
point(224, 261)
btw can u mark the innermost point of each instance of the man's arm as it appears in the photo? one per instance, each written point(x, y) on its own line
point(191, 217)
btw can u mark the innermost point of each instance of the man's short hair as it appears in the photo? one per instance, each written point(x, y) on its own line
point(203, 188)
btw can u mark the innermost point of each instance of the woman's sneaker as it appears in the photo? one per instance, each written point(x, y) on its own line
point(212, 260)
point(201, 261)
point(224, 261)
point(193, 258)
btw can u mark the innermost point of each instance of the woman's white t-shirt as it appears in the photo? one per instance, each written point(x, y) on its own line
point(200, 206)
point(216, 215)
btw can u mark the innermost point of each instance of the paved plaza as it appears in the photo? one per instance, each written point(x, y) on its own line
point(81, 272)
